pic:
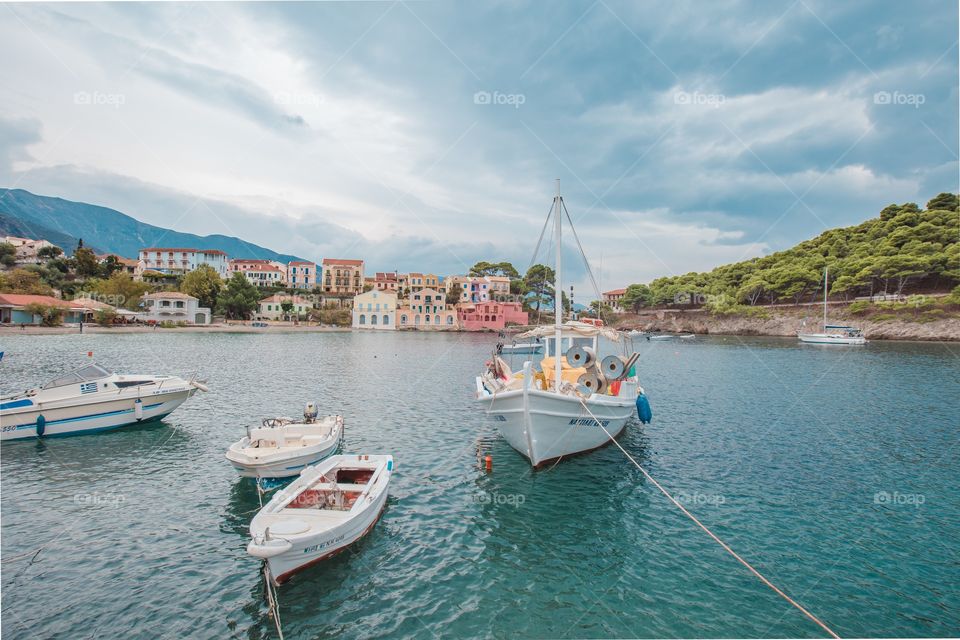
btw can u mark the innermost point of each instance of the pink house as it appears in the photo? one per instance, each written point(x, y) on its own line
point(490, 315)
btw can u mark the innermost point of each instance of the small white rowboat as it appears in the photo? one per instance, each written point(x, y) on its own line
point(329, 507)
point(282, 448)
point(523, 347)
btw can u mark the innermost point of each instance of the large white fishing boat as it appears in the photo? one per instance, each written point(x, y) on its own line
point(89, 400)
point(832, 333)
point(575, 400)
point(328, 508)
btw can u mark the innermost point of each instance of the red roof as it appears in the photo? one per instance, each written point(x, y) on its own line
point(307, 262)
point(23, 299)
point(264, 267)
point(182, 250)
point(248, 261)
point(169, 294)
point(615, 292)
point(351, 263)
point(283, 298)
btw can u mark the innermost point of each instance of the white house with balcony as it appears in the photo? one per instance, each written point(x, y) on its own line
point(175, 261)
point(173, 306)
point(375, 310)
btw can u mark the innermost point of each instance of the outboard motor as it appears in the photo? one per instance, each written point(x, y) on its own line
point(310, 412)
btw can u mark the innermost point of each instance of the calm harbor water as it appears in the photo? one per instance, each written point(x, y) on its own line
point(834, 471)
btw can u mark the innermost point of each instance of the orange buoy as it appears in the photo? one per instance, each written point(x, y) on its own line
point(489, 463)
point(89, 354)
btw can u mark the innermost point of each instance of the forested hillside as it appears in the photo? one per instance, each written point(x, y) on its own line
point(905, 249)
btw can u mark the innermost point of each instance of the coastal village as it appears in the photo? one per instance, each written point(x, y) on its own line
point(290, 293)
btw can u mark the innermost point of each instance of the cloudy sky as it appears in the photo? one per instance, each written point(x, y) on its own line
point(427, 135)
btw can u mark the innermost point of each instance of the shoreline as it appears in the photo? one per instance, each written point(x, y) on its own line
point(786, 323)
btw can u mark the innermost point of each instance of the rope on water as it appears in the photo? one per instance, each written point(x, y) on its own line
point(723, 544)
point(272, 603)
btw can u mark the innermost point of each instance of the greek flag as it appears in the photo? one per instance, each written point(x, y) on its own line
point(88, 387)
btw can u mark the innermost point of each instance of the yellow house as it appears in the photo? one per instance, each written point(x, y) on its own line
point(375, 310)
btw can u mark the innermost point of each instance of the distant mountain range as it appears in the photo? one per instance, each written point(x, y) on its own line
point(64, 223)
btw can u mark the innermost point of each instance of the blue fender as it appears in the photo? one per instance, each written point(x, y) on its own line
point(41, 425)
point(643, 409)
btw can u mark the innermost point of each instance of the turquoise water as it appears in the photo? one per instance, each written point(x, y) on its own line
point(832, 470)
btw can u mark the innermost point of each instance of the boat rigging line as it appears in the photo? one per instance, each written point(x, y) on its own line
point(273, 603)
point(710, 533)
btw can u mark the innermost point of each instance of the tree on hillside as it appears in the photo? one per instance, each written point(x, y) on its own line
point(453, 294)
point(203, 283)
point(944, 202)
point(110, 266)
point(484, 268)
point(636, 296)
point(85, 262)
point(119, 290)
point(239, 298)
point(539, 281)
point(49, 253)
point(8, 254)
point(23, 281)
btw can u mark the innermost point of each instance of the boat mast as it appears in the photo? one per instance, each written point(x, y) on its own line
point(557, 287)
point(825, 269)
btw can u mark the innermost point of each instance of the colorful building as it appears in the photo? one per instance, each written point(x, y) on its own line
point(375, 310)
point(342, 278)
point(491, 315)
point(27, 249)
point(13, 308)
point(302, 274)
point(420, 281)
point(175, 261)
point(173, 306)
point(127, 265)
point(614, 299)
point(266, 275)
point(426, 309)
point(479, 289)
point(385, 281)
point(272, 308)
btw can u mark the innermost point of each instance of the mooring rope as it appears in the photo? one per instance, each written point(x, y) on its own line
point(273, 603)
point(710, 533)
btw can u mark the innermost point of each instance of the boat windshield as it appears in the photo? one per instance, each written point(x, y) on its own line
point(84, 374)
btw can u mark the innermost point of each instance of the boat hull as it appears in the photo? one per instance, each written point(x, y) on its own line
point(826, 338)
point(522, 349)
point(545, 426)
point(93, 417)
point(308, 551)
point(285, 467)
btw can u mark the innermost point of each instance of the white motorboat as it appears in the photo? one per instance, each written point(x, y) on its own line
point(832, 333)
point(522, 347)
point(662, 336)
point(282, 447)
point(328, 508)
point(89, 400)
point(574, 401)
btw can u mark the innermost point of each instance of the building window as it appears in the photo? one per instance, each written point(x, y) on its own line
point(436, 320)
point(449, 319)
point(373, 319)
point(386, 319)
point(403, 319)
point(416, 320)
point(363, 319)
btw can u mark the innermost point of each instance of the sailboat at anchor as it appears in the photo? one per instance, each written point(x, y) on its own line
point(575, 400)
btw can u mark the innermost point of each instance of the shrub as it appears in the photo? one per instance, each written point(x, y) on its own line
point(104, 317)
point(859, 307)
point(883, 317)
point(50, 316)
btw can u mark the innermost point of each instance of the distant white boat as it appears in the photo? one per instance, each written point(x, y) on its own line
point(282, 447)
point(832, 333)
point(89, 400)
point(523, 347)
point(328, 508)
point(662, 336)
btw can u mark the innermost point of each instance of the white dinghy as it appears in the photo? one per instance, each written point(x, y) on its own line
point(522, 347)
point(329, 507)
point(90, 400)
point(282, 447)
